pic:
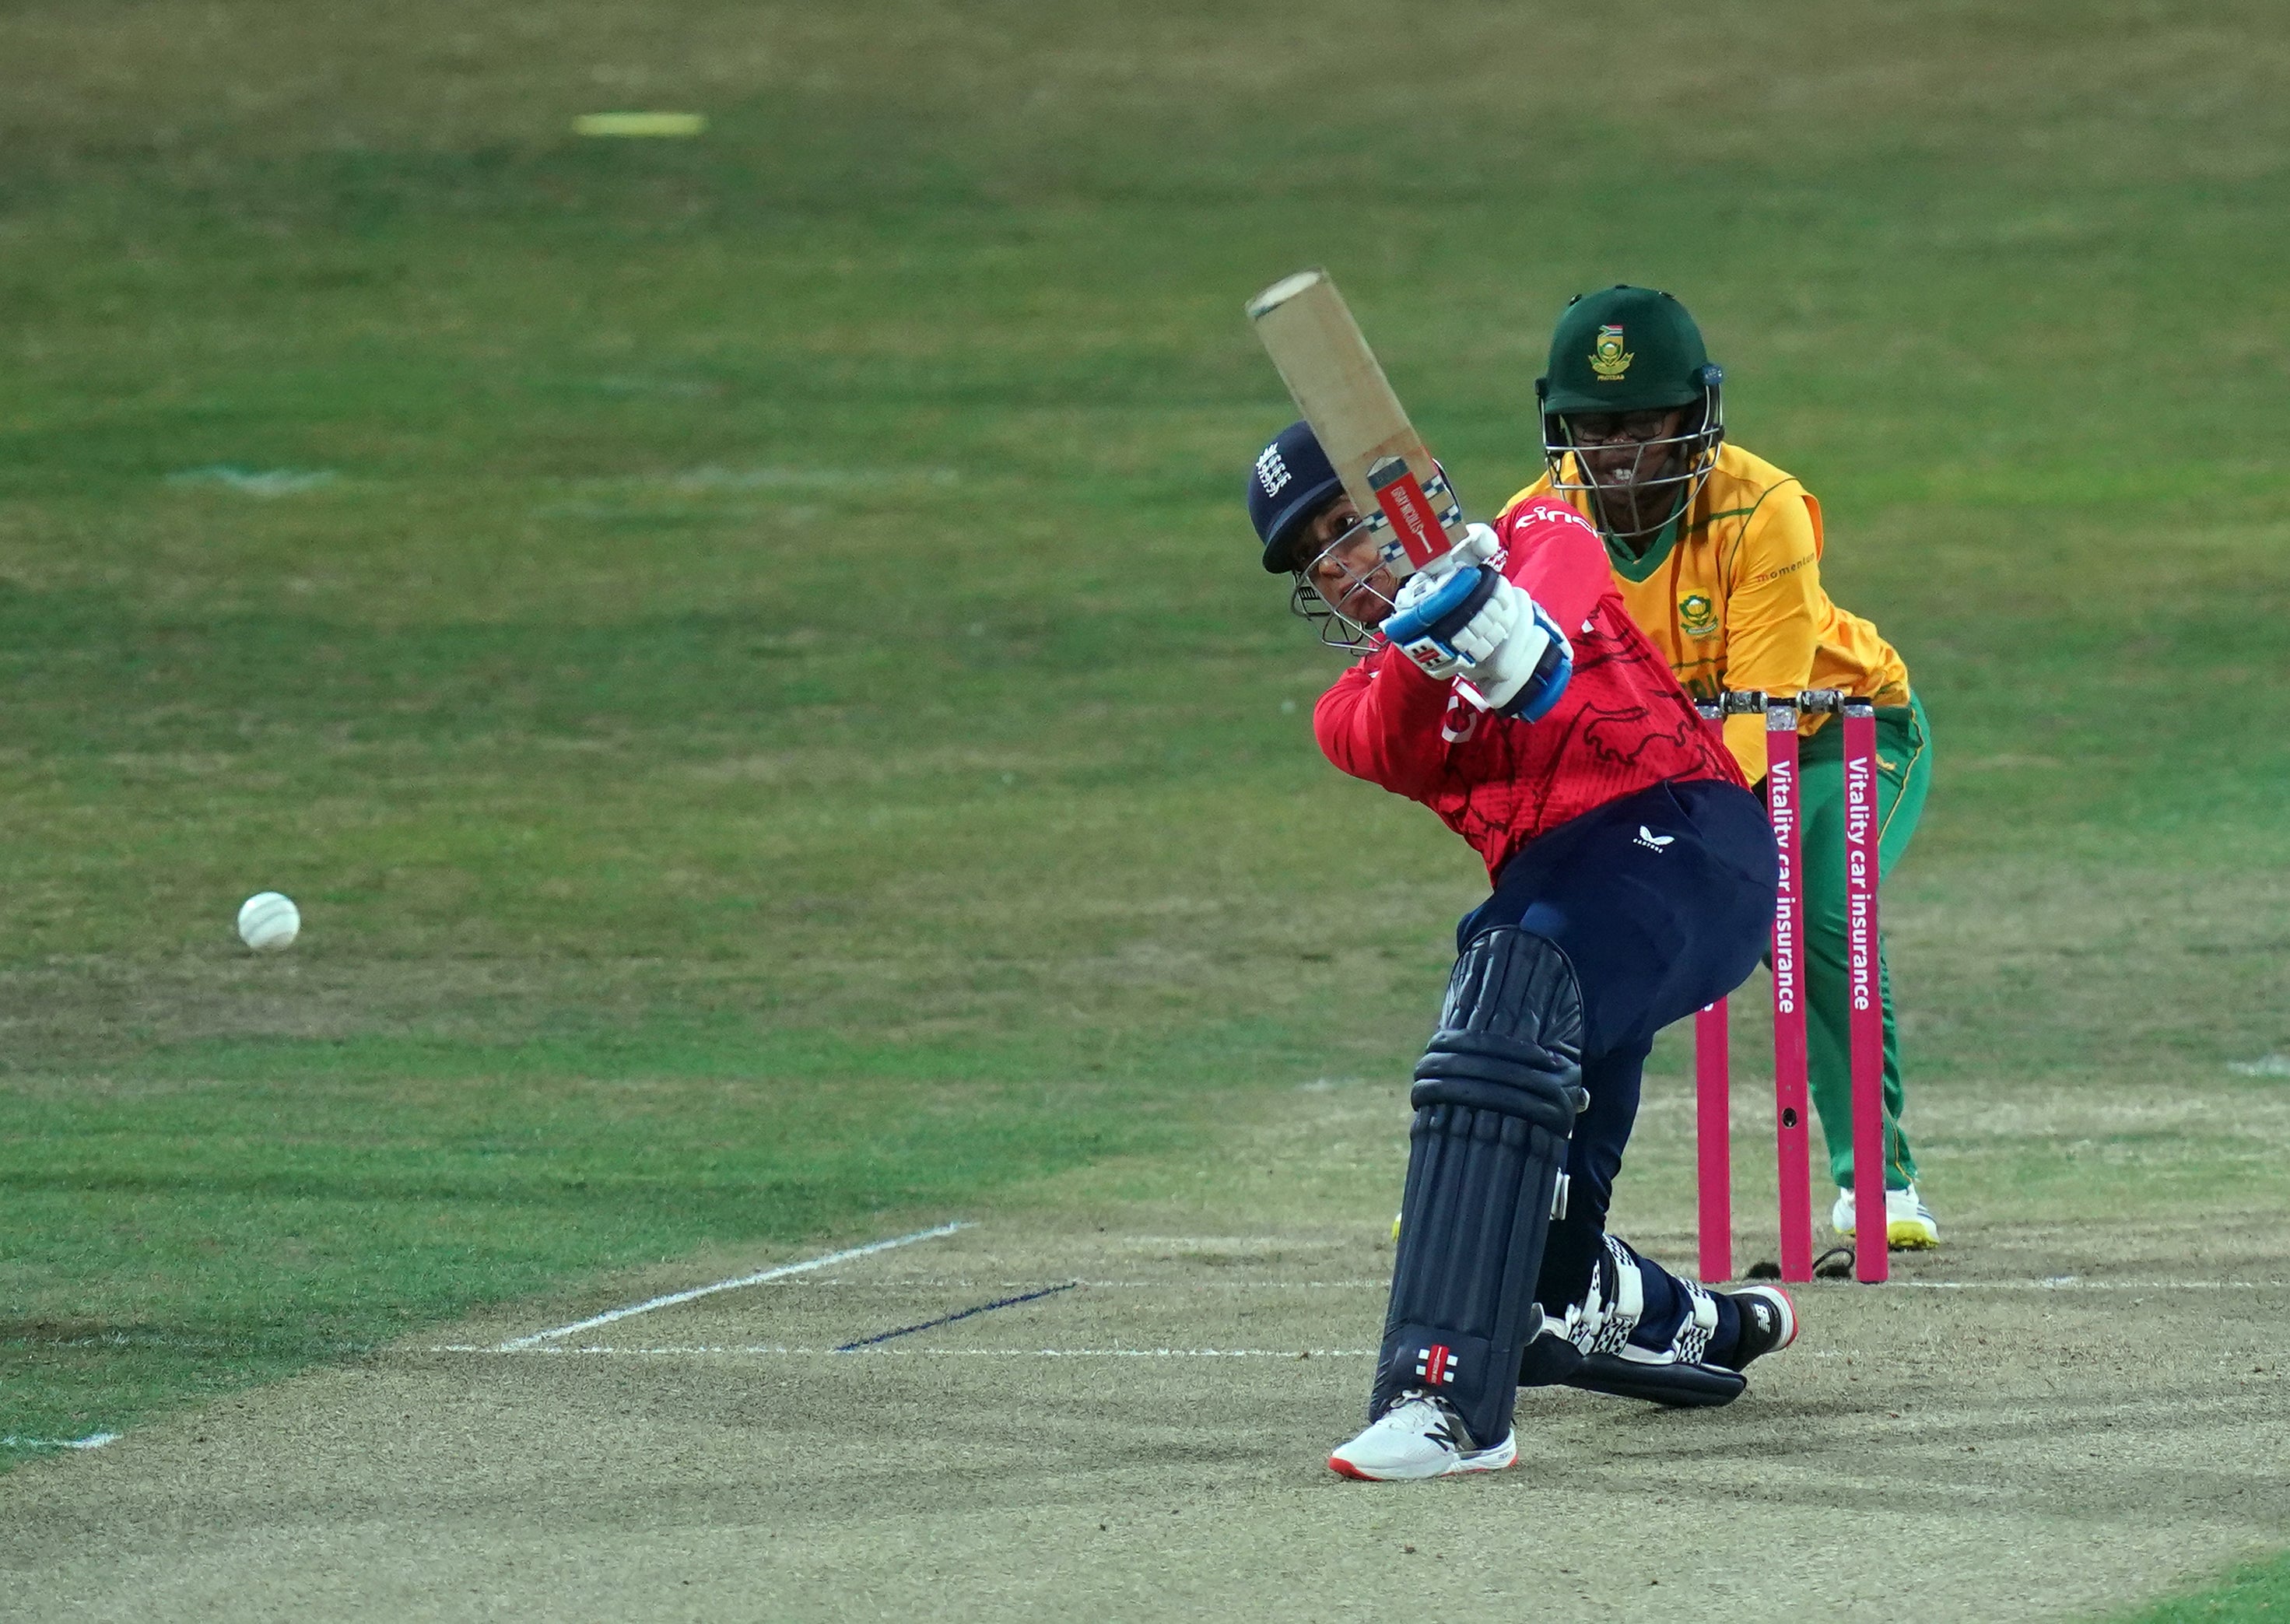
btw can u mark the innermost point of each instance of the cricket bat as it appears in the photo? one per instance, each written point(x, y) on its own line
point(1412, 515)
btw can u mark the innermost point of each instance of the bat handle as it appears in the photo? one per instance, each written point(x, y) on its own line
point(1478, 546)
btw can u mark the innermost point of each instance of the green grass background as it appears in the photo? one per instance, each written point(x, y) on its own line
point(747, 650)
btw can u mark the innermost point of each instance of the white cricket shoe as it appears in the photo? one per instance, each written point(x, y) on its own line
point(1909, 1222)
point(1419, 1437)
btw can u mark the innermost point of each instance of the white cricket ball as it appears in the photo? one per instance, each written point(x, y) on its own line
point(268, 923)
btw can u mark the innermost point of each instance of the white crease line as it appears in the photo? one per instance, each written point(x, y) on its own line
point(914, 1353)
point(780, 1273)
point(94, 1440)
point(2069, 1283)
point(2057, 1282)
point(776, 1350)
point(890, 1283)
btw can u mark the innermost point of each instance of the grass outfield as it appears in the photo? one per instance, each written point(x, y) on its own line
point(747, 652)
point(2255, 1595)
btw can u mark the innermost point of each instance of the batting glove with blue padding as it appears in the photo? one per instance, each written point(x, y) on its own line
point(1545, 663)
point(1474, 623)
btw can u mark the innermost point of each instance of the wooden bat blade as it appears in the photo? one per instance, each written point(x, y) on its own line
point(1341, 389)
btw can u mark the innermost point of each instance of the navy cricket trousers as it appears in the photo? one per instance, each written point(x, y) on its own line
point(1663, 901)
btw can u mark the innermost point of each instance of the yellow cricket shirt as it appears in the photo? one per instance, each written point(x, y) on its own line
point(1731, 594)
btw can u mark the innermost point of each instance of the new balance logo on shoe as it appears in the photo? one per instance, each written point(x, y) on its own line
point(1651, 841)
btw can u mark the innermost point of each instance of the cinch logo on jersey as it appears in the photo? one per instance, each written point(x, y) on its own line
point(1271, 472)
point(1608, 358)
point(1551, 508)
point(1435, 1365)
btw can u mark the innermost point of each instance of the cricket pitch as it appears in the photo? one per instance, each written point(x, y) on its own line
point(1123, 1411)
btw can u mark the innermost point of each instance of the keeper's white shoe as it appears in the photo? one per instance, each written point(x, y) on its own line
point(1419, 1437)
point(1909, 1222)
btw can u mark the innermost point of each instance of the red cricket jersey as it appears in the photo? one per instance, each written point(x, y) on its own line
point(1623, 725)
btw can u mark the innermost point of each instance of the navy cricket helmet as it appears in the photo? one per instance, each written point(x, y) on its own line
point(1292, 480)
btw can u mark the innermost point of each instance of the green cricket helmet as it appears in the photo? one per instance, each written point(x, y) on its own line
point(1621, 351)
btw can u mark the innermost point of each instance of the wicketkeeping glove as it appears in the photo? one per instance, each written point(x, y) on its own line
point(1474, 623)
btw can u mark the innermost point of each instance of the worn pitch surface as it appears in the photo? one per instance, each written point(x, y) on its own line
point(1992, 1436)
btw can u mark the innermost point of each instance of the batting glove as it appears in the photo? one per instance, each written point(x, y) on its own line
point(1525, 675)
point(1474, 623)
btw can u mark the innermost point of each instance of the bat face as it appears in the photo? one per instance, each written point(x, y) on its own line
point(1340, 387)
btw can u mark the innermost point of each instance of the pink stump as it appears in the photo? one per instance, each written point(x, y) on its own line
point(1713, 1148)
point(1871, 1260)
point(1791, 1105)
point(1713, 1117)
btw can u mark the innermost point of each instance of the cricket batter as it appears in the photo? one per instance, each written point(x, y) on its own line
point(1717, 555)
point(1633, 879)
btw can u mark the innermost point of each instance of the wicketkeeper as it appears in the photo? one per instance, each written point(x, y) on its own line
point(1633, 878)
point(1717, 556)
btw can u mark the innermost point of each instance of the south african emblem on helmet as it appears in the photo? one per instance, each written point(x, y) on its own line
point(1608, 358)
point(1697, 617)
